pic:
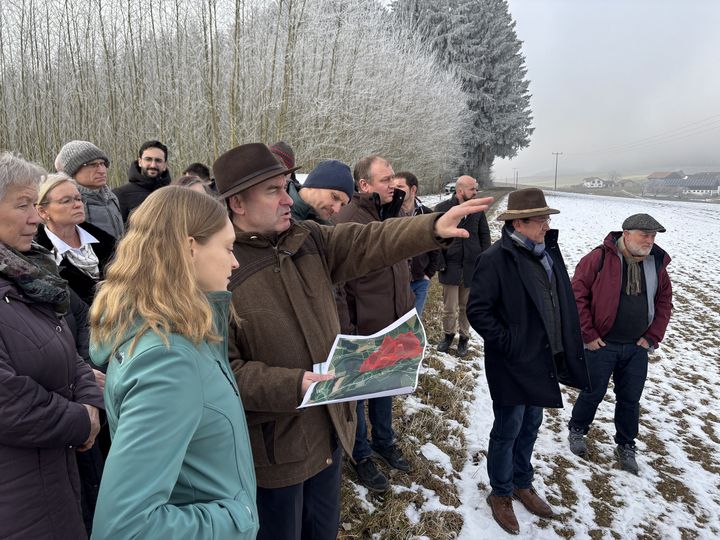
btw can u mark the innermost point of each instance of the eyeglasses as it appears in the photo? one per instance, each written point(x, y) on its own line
point(95, 164)
point(65, 201)
point(541, 220)
point(159, 161)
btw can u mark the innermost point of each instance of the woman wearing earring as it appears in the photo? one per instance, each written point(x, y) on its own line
point(80, 250)
point(180, 464)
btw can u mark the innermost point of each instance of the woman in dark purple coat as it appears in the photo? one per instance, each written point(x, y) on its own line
point(49, 399)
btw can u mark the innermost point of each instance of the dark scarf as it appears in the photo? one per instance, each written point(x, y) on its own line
point(36, 275)
point(536, 249)
point(634, 278)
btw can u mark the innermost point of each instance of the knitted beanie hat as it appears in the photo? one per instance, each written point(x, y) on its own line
point(331, 174)
point(283, 152)
point(75, 154)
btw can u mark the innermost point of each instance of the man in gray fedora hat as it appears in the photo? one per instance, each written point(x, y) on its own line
point(624, 298)
point(283, 295)
point(522, 305)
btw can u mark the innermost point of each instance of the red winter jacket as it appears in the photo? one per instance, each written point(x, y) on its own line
point(597, 293)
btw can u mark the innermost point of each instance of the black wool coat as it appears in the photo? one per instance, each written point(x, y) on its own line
point(79, 281)
point(504, 308)
point(457, 263)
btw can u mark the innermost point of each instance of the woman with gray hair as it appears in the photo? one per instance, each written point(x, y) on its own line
point(49, 399)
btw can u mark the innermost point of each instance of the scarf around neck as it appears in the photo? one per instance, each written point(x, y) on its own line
point(36, 275)
point(634, 278)
point(536, 249)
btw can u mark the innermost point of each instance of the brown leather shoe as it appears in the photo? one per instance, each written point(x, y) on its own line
point(502, 511)
point(532, 501)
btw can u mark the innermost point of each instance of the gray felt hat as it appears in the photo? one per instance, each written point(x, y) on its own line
point(642, 222)
point(75, 154)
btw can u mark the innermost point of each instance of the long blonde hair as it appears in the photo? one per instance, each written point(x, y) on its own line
point(151, 282)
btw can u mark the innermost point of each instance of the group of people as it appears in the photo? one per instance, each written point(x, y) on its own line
point(541, 328)
point(159, 337)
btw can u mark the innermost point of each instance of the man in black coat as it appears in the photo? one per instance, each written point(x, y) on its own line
point(148, 173)
point(522, 304)
point(457, 263)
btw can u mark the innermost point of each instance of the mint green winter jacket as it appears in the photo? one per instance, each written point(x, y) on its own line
point(180, 464)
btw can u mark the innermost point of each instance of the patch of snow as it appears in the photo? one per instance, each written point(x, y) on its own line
point(679, 429)
point(434, 454)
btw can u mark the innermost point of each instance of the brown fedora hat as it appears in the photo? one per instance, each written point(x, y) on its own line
point(246, 166)
point(526, 203)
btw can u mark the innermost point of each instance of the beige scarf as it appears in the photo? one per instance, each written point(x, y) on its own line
point(634, 280)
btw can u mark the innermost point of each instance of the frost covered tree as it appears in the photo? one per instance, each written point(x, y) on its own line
point(477, 39)
point(335, 78)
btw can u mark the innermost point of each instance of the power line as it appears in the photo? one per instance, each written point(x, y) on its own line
point(698, 127)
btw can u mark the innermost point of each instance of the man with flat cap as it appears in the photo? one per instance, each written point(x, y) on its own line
point(283, 295)
point(624, 298)
point(522, 305)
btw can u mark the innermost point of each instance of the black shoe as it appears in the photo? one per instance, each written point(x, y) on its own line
point(576, 438)
point(393, 457)
point(625, 454)
point(463, 346)
point(370, 476)
point(444, 345)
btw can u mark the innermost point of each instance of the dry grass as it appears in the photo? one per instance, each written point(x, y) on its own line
point(397, 514)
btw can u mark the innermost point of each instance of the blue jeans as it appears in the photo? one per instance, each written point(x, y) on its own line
point(309, 510)
point(420, 288)
point(512, 440)
point(627, 364)
point(383, 436)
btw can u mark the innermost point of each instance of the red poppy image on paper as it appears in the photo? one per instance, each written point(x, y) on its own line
point(391, 351)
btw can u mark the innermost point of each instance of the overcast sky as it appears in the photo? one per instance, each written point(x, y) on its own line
point(620, 85)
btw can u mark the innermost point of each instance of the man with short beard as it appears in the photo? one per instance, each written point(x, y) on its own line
point(148, 173)
point(624, 299)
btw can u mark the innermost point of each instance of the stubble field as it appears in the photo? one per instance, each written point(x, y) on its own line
point(444, 426)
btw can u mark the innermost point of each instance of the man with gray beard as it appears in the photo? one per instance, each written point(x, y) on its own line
point(624, 298)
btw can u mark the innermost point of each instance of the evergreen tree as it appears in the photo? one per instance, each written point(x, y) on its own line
point(476, 39)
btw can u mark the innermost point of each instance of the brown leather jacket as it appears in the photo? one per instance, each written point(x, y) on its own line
point(283, 295)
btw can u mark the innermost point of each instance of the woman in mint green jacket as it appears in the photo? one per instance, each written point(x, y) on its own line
point(180, 464)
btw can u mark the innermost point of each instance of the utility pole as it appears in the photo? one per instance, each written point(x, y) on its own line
point(515, 176)
point(557, 155)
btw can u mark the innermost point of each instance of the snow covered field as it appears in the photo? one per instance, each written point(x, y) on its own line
point(677, 493)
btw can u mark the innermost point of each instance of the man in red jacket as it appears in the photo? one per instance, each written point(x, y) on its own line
point(624, 298)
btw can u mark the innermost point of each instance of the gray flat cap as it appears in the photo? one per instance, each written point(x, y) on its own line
point(642, 222)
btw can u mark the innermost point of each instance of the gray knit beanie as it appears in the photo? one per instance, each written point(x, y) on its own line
point(75, 154)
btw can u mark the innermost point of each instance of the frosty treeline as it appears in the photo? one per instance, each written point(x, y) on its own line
point(335, 78)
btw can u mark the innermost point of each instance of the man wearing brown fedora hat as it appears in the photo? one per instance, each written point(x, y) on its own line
point(624, 299)
point(283, 296)
point(522, 305)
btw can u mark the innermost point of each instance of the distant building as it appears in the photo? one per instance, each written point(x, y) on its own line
point(596, 183)
point(665, 183)
point(706, 184)
point(674, 175)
